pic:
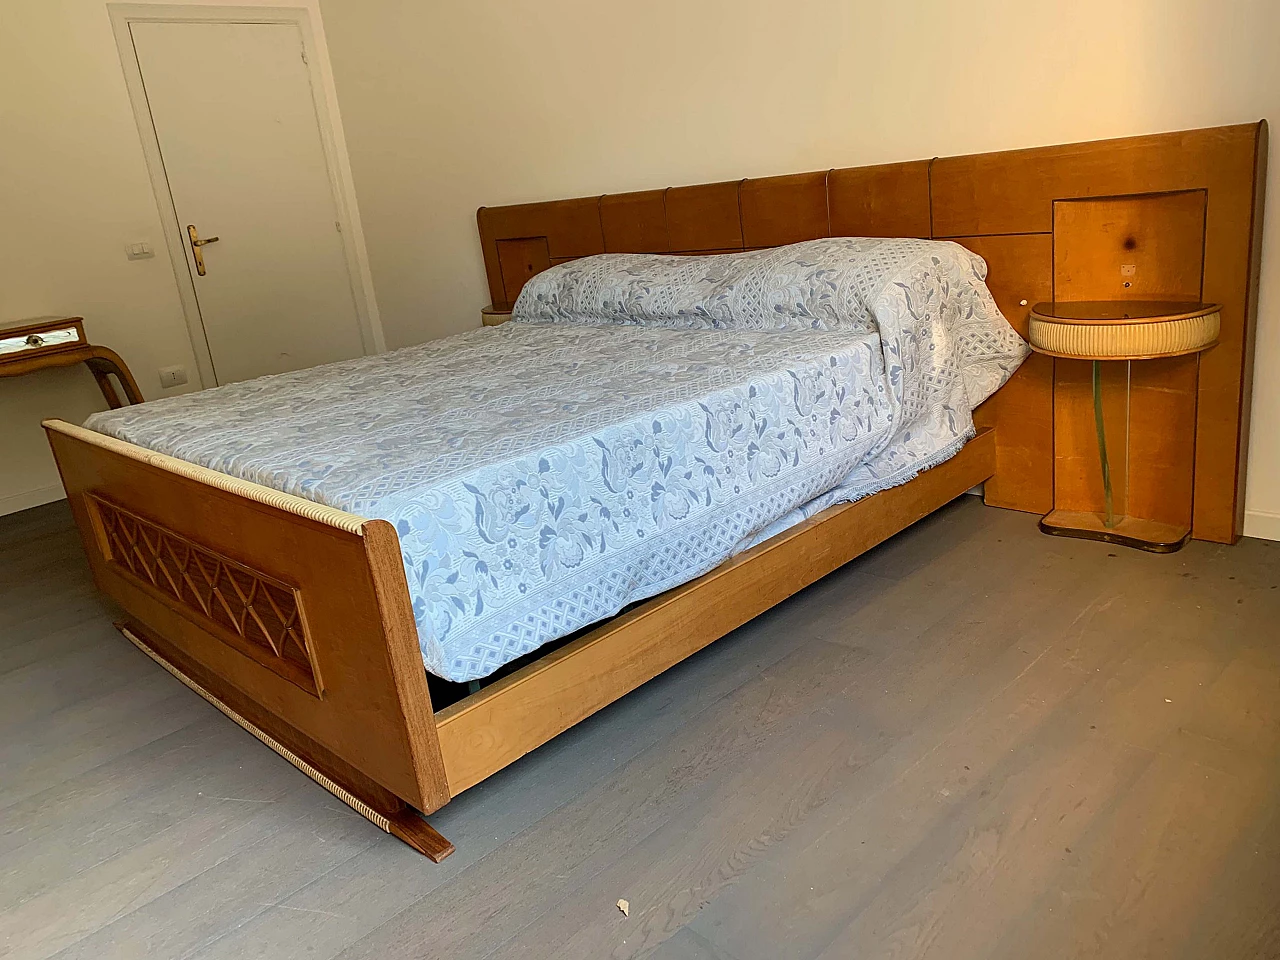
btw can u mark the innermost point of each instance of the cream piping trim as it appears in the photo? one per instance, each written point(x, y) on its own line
point(299, 506)
point(1122, 341)
point(354, 802)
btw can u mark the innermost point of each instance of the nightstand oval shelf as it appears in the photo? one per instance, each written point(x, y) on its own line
point(492, 316)
point(1138, 330)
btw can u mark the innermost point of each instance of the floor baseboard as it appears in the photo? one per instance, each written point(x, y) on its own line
point(30, 498)
point(1262, 524)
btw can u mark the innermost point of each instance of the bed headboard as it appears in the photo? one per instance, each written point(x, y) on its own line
point(1169, 216)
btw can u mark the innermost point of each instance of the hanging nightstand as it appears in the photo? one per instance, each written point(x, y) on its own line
point(492, 316)
point(1137, 489)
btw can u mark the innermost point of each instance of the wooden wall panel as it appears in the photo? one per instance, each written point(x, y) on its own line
point(1162, 439)
point(635, 222)
point(571, 228)
point(1019, 274)
point(1250, 319)
point(1221, 449)
point(704, 218)
point(1013, 191)
point(889, 200)
point(518, 260)
point(1022, 412)
point(1130, 248)
point(782, 210)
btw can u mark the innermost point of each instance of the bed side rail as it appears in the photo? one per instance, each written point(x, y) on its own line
point(505, 720)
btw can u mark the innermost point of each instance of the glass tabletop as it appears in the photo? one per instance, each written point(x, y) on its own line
point(1121, 311)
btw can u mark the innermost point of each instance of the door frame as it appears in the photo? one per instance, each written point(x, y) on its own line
point(333, 143)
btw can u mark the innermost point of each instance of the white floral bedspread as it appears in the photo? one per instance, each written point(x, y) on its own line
point(543, 476)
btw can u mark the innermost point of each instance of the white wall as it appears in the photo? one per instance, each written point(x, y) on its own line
point(74, 190)
point(452, 105)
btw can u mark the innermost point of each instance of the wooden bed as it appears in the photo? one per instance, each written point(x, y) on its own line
point(295, 620)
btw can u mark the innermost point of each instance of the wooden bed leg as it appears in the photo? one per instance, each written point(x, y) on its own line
point(403, 822)
point(408, 826)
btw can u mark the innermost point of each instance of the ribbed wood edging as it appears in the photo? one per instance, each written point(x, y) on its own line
point(299, 506)
point(1125, 341)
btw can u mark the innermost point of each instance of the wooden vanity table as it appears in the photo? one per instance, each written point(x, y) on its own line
point(31, 345)
point(1124, 433)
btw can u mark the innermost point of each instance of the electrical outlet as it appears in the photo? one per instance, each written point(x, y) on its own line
point(173, 376)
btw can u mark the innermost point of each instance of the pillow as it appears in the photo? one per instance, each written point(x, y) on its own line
point(829, 285)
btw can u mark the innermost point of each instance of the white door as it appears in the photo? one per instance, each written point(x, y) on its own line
point(244, 158)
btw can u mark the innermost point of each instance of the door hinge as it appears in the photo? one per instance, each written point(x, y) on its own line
point(304, 55)
point(337, 225)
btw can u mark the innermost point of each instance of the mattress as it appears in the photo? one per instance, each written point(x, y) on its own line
point(543, 475)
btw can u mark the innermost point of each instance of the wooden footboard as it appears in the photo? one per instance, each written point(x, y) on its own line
point(290, 616)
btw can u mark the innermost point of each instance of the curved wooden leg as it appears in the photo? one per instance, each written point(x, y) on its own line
point(104, 384)
point(104, 362)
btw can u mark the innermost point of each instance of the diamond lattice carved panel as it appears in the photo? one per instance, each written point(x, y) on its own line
point(251, 611)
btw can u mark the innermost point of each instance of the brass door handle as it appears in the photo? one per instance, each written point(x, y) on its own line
point(196, 243)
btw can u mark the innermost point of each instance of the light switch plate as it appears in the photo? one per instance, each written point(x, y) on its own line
point(139, 250)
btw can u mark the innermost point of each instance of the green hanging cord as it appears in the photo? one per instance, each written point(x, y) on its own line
point(1102, 443)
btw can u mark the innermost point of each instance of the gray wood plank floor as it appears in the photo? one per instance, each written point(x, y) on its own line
point(974, 742)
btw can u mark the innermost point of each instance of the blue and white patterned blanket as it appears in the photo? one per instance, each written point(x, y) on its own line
point(544, 474)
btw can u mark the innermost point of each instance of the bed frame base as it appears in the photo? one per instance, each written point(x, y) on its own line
point(402, 822)
point(222, 580)
point(486, 731)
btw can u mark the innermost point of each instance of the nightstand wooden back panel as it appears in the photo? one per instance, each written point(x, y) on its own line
point(1148, 247)
point(1130, 248)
